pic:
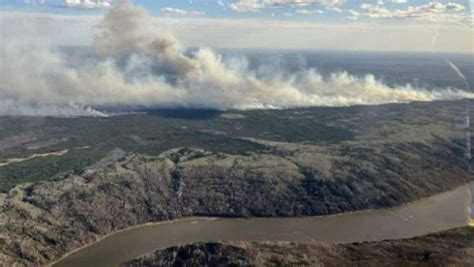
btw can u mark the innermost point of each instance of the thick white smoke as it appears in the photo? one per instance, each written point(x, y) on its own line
point(135, 65)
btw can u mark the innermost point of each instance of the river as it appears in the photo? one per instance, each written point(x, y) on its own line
point(436, 213)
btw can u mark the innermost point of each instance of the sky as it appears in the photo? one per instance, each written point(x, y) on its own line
point(381, 25)
point(137, 52)
point(456, 11)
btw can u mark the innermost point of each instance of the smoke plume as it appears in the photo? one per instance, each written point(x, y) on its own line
point(136, 65)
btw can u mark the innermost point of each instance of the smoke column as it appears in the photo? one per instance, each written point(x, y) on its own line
point(137, 65)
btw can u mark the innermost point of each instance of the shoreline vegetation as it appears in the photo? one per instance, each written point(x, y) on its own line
point(453, 247)
point(197, 218)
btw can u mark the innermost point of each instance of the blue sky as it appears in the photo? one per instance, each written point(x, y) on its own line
point(381, 25)
point(310, 10)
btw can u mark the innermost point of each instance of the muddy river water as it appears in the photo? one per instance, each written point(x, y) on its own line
point(436, 213)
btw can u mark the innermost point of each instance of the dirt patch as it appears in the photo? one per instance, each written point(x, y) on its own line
point(17, 160)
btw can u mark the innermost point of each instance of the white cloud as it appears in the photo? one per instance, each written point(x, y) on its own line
point(257, 5)
point(276, 3)
point(88, 4)
point(309, 11)
point(353, 13)
point(34, 2)
point(246, 6)
point(173, 11)
point(335, 9)
point(369, 35)
point(432, 11)
point(450, 12)
point(178, 12)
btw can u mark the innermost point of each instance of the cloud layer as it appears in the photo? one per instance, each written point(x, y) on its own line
point(179, 12)
point(256, 5)
point(432, 11)
point(142, 67)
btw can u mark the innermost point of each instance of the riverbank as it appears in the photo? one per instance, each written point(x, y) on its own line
point(123, 230)
point(454, 247)
point(424, 216)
